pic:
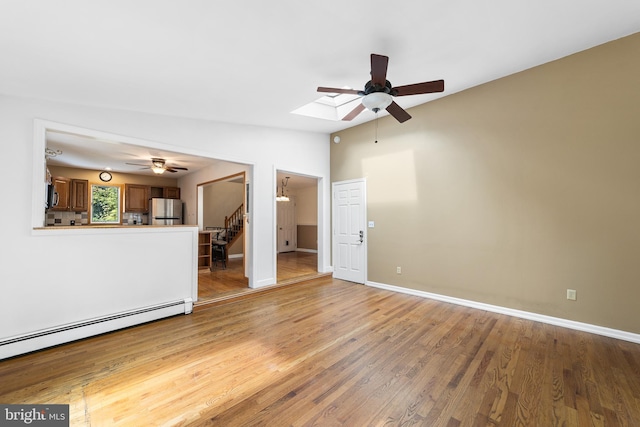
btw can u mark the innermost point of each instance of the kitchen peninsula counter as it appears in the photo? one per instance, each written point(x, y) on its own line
point(112, 229)
point(91, 226)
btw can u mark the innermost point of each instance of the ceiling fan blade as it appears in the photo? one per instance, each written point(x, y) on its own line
point(419, 88)
point(352, 115)
point(379, 65)
point(170, 170)
point(179, 168)
point(398, 112)
point(336, 90)
point(136, 164)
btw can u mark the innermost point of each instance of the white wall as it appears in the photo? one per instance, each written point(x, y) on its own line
point(71, 275)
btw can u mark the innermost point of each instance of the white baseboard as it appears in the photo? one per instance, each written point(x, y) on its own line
point(570, 324)
point(38, 340)
point(312, 251)
point(234, 256)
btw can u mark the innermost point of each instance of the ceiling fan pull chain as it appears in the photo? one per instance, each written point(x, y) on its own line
point(376, 141)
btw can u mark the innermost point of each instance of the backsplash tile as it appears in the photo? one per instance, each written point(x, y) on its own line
point(65, 218)
point(82, 218)
point(135, 219)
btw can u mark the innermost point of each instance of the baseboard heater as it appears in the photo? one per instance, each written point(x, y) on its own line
point(74, 331)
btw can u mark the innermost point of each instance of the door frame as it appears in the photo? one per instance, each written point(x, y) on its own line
point(246, 231)
point(334, 243)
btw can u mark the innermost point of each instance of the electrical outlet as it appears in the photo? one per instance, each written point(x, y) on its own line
point(399, 270)
point(572, 294)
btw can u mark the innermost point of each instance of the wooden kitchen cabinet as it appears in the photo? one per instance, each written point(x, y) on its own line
point(165, 192)
point(62, 196)
point(71, 194)
point(171, 192)
point(79, 195)
point(136, 198)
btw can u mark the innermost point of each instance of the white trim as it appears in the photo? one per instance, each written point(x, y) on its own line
point(234, 256)
point(312, 251)
point(265, 282)
point(565, 323)
point(38, 340)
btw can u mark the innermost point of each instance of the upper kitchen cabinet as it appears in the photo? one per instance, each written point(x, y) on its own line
point(136, 198)
point(79, 195)
point(70, 194)
point(62, 193)
point(171, 192)
point(165, 192)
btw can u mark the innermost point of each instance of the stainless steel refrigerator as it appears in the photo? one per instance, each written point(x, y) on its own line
point(165, 211)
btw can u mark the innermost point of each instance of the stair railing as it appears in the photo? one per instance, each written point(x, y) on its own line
point(234, 224)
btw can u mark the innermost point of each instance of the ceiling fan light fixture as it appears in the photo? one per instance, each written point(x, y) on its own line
point(157, 170)
point(377, 101)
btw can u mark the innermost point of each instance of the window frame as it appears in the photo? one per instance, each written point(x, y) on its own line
point(120, 203)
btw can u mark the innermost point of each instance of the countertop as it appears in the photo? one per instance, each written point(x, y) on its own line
point(78, 227)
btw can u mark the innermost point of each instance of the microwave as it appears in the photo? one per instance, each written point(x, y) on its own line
point(50, 196)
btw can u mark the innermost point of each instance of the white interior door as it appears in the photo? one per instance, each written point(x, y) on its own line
point(287, 226)
point(349, 232)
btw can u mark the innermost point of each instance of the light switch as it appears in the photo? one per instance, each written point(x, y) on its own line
point(371, 224)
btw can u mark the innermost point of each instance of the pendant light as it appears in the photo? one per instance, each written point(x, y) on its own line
point(282, 197)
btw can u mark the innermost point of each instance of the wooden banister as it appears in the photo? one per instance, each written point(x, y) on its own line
point(234, 224)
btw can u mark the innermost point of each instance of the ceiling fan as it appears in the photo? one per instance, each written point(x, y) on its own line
point(159, 166)
point(378, 92)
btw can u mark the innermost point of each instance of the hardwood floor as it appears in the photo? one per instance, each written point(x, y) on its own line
point(224, 282)
point(332, 353)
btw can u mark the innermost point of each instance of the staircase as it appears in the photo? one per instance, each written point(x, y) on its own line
point(234, 225)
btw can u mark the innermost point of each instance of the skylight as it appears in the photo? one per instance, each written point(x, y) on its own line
point(332, 106)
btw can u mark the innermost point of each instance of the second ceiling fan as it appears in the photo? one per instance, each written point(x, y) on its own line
point(159, 166)
point(378, 92)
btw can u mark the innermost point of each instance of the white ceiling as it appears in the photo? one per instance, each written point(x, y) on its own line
point(81, 151)
point(253, 62)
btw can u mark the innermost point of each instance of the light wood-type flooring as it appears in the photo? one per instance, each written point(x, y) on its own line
point(332, 353)
point(224, 283)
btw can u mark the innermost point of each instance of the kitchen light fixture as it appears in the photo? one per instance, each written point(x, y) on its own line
point(158, 166)
point(282, 197)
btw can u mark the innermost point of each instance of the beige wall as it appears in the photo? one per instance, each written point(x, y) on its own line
point(511, 192)
point(306, 205)
point(306, 216)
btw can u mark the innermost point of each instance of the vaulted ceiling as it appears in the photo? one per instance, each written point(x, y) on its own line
point(253, 62)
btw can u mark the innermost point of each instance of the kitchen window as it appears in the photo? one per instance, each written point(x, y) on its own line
point(106, 201)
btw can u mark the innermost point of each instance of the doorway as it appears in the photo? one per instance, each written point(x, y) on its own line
point(294, 265)
point(296, 227)
point(221, 217)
